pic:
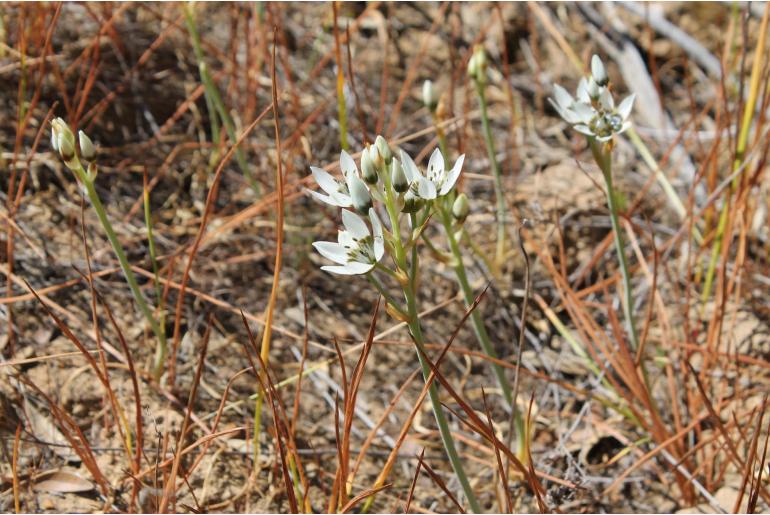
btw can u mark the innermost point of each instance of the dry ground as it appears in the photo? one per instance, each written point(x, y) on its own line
point(128, 75)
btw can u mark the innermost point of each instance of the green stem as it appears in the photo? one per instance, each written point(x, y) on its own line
point(438, 410)
point(495, 171)
point(409, 288)
point(478, 324)
point(214, 99)
point(603, 158)
point(161, 350)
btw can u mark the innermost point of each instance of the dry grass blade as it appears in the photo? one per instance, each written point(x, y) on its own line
point(500, 468)
point(266, 386)
point(74, 436)
point(410, 496)
point(440, 483)
point(169, 492)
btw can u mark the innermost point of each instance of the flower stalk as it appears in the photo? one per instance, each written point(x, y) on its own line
point(594, 114)
point(63, 141)
point(477, 71)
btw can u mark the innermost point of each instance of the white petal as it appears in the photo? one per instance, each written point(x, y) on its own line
point(341, 199)
point(624, 109)
point(354, 224)
point(563, 98)
point(326, 199)
point(606, 100)
point(324, 179)
point(624, 127)
point(583, 112)
point(425, 188)
point(346, 239)
point(348, 165)
point(566, 115)
point(582, 91)
point(352, 268)
point(379, 246)
point(452, 175)
point(435, 167)
point(410, 168)
point(332, 251)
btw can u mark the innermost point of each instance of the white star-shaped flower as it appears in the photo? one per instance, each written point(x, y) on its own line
point(439, 180)
point(357, 250)
point(593, 112)
point(337, 192)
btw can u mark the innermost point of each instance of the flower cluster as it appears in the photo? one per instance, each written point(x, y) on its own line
point(385, 182)
point(593, 112)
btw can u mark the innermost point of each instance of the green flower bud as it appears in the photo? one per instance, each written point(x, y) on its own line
point(461, 208)
point(429, 95)
point(87, 150)
point(397, 176)
point(359, 194)
point(63, 139)
point(368, 168)
point(598, 71)
point(412, 203)
point(384, 149)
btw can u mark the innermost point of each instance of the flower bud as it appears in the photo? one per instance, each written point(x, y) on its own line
point(429, 95)
point(359, 194)
point(368, 169)
point(384, 149)
point(461, 208)
point(477, 65)
point(397, 176)
point(63, 139)
point(598, 71)
point(87, 150)
point(412, 203)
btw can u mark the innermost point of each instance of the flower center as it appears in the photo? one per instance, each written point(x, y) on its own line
point(362, 250)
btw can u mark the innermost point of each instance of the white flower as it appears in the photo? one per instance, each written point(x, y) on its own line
point(593, 112)
point(357, 249)
point(439, 180)
point(337, 192)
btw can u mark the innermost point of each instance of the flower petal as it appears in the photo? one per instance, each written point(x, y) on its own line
point(327, 183)
point(584, 129)
point(379, 245)
point(567, 116)
point(606, 100)
point(452, 175)
point(352, 268)
point(435, 171)
point(335, 200)
point(582, 91)
point(563, 98)
point(332, 251)
point(425, 188)
point(354, 224)
point(624, 109)
point(583, 112)
point(410, 168)
point(348, 165)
